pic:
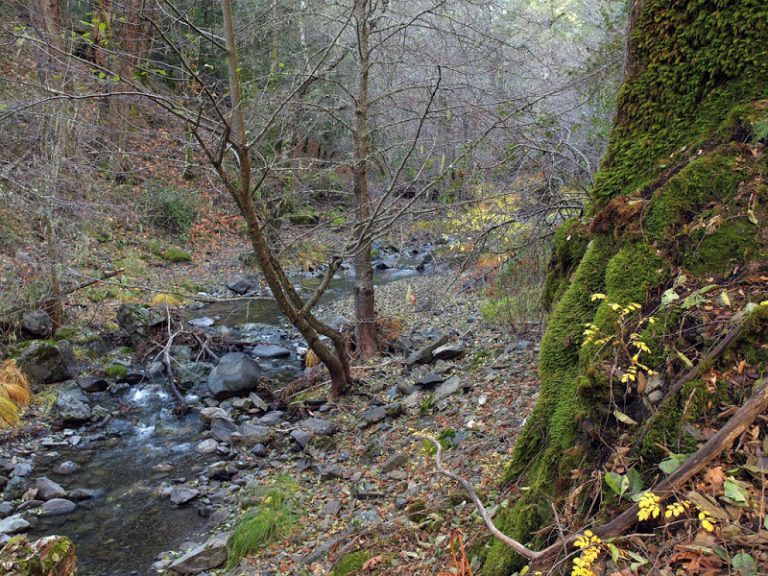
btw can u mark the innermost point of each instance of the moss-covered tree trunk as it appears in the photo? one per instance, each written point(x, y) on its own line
point(679, 203)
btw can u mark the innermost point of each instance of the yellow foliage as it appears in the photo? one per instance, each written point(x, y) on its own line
point(311, 360)
point(14, 392)
point(165, 299)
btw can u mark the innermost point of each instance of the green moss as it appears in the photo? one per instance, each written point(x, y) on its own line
point(734, 242)
point(115, 371)
point(518, 522)
point(571, 242)
point(176, 255)
point(351, 563)
point(304, 217)
point(67, 333)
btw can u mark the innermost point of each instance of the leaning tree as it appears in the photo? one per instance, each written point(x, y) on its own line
point(678, 213)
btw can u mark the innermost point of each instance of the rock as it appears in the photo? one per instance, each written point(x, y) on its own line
point(250, 434)
point(449, 351)
point(394, 462)
point(318, 426)
point(430, 380)
point(211, 413)
point(273, 418)
point(6, 465)
point(22, 467)
point(330, 472)
point(79, 494)
point(57, 507)
point(373, 415)
point(302, 437)
point(332, 508)
point(221, 471)
point(270, 351)
point(655, 396)
point(448, 388)
point(16, 488)
point(259, 451)
point(51, 556)
point(180, 495)
point(14, 525)
point(92, 384)
point(46, 363)
point(136, 320)
point(241, 286)
point(37, 324)
point(72, 406)
point(29, 505)
point(192, 373)
point(66, 468)
point(236, 374)
point(257, 402)
point(424, 354)
point(222, 429)
point(208, 446)
point(202, 322)
point(47, 489)
point(6, 509)
point(208, 556)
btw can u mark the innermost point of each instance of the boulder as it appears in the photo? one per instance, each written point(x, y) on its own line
point(270, 351)
point(49, 556)
point(46, 362)
point(241, 286)
point(57, 507)
point(222, 429)
point(66, 468)
point(37, 324)
point(92, 384)
point(47, 489)
point(14, 525)
point(207, 556)
point(136, 320)
point(180, 495)
point(236, 375)
point(72, 406)
point(16, 488)
point(250, 434)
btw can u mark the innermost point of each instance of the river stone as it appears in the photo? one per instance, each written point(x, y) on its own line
point(14, 525)
point(208, 446)
point(222, 429)
point(57, 507)
point(22, 467)
point(47, 489)
point(207, 556)
point(180, 495)
point(211, 413)
point(237, 374)
point(72, 406)
point(38, 324)
point(449, 351)
point(202, 322)
point(448, 388)
point(16, 488)
point(66, 468)
point(55, 554)
point(79, 494)
point(46, 363)
point(6, 509)
point(92, 384)
point(273, 418)
point(270, 351)
point(318, 426)
point(250, 434)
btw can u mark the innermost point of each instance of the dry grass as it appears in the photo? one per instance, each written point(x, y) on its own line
point(14, 393)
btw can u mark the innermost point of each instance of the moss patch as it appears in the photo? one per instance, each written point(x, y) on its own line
point(176, 255)
point(351, 563)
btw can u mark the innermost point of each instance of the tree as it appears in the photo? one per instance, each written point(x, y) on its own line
point(678, 203)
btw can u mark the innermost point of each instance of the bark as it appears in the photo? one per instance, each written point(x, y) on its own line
point(365, 314)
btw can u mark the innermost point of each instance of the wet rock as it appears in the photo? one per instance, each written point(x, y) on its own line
point(207, 556)
point(424, 354)
point(72, 406)
point(57, 507)
point(47, 489)
point(80, 494)
point(192, 373)
point(29, 504)
point(66, 468)
point(54, 554)
point(14, 525)
point(221, 471)
point(448, 388)
point(180, 495)
point(449, 351)
point(222, 429)
point(22, 467)
point(202, 322)
point(270, 351)
point(237, 374)
point(249, 434)
point(92, 384)
point(208, 446)
point(37, 324)
point(318, 426)
point(16, 488)
point(46, 363)
point(137, 320)
point(6, 509)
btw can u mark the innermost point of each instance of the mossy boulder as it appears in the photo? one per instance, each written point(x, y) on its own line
point(49, 556)
point(46, 362)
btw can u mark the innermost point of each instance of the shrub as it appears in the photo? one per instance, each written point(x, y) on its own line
point(14, 393)
point(171, 209)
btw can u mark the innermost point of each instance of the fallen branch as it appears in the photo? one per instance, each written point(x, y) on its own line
point(732, 429)
point(181, 404)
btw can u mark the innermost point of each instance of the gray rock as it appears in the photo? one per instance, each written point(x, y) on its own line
point(46, 363)
point(92, 384)
point(373, 415)
point(202, 322)
point(242, 286)
point(16, 488)
point(259, 451)
point(211, 413)
point(136, 320)
point(302, 437)
point(318, 426)
point(449, 351)
point(208, 556)
point(273, 418)
point(332, 508)
point(448, 388)
point(14, 525)
point(330, 472)
point(208, 446)
point(237, 374)
point(47, 489)
point(655, 396)
point(394, 462)
point(6, 509)
point(79, 494)
point(250, 434)
point(424, 354)
point(430, 380)
point(180, 495)
point(6, 465)
point(72, 406)
point(222, 429)
point(66, 468)
point(57, 507)
point(38, 324)
point(22, 467)
point(270, 351)
point(192, 373)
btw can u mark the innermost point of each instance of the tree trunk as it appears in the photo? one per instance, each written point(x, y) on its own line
point(365, 314)
point(679, 191)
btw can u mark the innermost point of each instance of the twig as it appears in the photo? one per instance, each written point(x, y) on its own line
point(182, 407)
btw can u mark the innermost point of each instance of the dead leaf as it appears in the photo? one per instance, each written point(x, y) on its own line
point(373, 562)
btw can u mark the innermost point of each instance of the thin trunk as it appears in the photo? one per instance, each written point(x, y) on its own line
point(365, 314)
